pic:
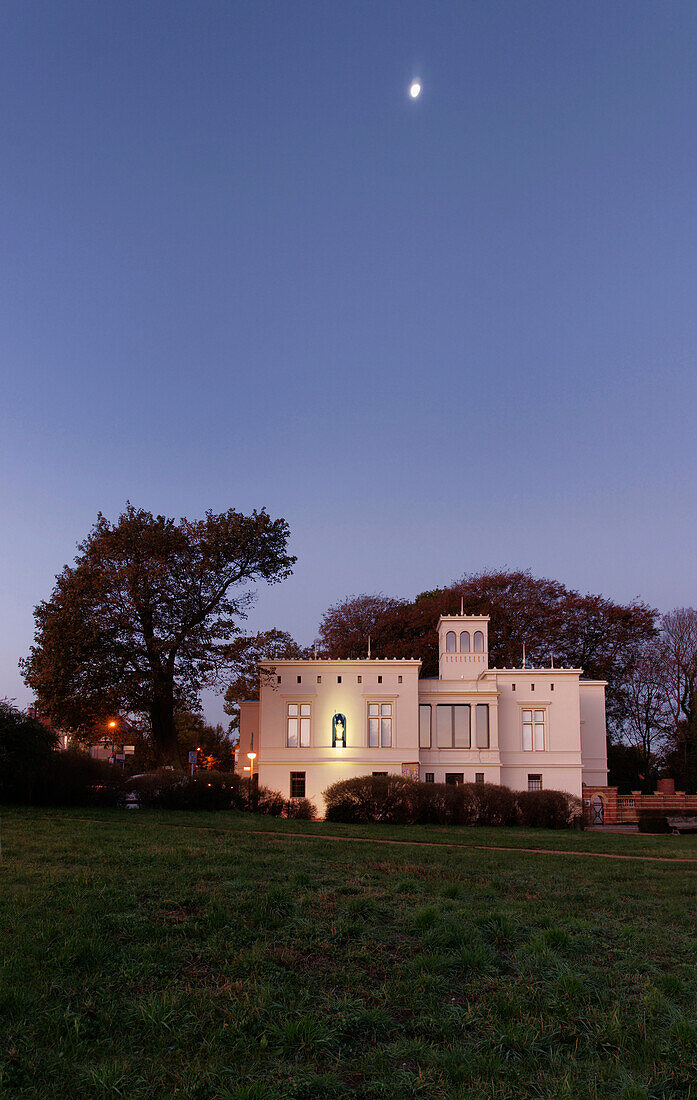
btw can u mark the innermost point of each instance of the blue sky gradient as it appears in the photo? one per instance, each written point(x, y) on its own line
point(241, 268)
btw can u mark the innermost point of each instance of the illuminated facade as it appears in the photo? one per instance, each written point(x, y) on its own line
point(317, 721)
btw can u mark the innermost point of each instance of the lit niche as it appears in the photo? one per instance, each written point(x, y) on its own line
point(339, 731)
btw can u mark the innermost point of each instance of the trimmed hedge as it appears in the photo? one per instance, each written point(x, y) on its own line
point(395, 800)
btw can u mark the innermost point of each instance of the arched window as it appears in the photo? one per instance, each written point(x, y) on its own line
point(465, 641)
point(450, 642)
point(478, 641)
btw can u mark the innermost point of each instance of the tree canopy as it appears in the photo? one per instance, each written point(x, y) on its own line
point(551, 620)
point(142, 620)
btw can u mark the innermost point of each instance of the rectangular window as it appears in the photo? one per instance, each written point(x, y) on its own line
point(461, 726)
point(512, 687)
point(379, 679)
point(278, 679)
point(360, 679)
point(453, 779)
point(379, 725)
point(379, 775)
point(444, 727)
point(532, 687)
point(319, 679)
point(338, 679)
point(533, 730)
point(482, 722)
point(297, 784)
point(399, 679)
point(479, 777)
point(298, 719)
point(453, 725)
point(428, 778)
point(300, 679)
point(551, 687)
point(534, 782)
point(424, 726)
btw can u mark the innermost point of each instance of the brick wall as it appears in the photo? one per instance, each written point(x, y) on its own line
point(621, 809)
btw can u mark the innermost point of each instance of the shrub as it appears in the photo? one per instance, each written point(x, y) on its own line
point(543, 809)
point(166, 789)
point(76, 779)
point(372, 798)
point(653, 823)
point(494, 805)
point(270, 802)
point(301, 809)
point(437, 804)
point(26, 754)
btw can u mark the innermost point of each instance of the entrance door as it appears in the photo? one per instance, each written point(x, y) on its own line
point(598, 811)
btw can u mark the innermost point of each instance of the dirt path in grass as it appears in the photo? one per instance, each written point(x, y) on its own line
point(478, 847)
point(408, 843)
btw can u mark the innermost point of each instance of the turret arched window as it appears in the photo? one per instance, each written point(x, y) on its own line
point(450, 642)
point(465, 641)
point(478, 641)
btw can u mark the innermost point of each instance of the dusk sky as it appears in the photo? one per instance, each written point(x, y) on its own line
point(242, 268)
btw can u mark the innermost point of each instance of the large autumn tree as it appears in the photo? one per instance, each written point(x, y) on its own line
point(142, 620)
point(552, 621)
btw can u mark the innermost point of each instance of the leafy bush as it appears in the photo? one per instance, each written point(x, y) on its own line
point(653, 823)
point(439, 804)
point(166, 789)
point(494, 805)
point(372, 798)
point(392, 799)
point(545, 809)
point(76, 779)
point(270, 802)
point(301, 809)
point(26, 754)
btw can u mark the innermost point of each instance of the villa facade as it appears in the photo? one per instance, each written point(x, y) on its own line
point(317, 721)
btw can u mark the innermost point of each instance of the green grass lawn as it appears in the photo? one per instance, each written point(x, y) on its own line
point(139, 959)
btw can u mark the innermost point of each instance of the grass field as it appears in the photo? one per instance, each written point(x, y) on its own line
point(197, 955)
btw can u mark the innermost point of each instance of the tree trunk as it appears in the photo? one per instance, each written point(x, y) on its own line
point(164, 738)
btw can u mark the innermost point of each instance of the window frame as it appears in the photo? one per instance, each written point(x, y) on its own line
point(534, 781)
point(298, 777)
point(424, 706)
point(376, 701)
point(451, 707)
point(298, 718)
point(534, 723)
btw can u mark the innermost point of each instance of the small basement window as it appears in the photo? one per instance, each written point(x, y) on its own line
point(380, 775)
point(534, 782)
point(479, 777)
point(428, 778)
point(297, 784)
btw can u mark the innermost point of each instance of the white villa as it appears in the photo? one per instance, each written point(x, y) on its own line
point(317, 721)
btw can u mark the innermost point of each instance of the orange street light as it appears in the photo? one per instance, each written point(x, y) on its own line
point(251, 756)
